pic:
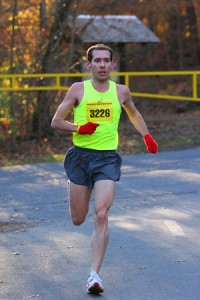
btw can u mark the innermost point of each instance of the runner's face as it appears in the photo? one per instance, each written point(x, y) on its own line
point(101, 64)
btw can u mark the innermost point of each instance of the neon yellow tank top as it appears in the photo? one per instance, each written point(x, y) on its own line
point(101, 108)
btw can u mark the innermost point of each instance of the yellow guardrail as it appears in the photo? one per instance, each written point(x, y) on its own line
point(14, 82)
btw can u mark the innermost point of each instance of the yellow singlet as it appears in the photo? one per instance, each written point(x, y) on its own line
point(101, 108)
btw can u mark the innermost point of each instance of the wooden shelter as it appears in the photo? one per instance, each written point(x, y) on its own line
point(112, 29)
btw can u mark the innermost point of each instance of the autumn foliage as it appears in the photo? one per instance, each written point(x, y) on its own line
point(36, 38)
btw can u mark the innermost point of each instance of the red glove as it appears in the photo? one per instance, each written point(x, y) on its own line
point(152, 146)
point(88, 128)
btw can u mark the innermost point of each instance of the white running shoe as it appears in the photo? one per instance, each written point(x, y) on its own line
point(94, 284)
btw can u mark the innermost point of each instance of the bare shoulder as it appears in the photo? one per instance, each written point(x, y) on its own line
point(75, 93)
point(123, 93)
point(122, 88)
point(76, 88)
point(77, 85)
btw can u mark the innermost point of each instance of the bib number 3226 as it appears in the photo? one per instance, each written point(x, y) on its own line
point(99, 111)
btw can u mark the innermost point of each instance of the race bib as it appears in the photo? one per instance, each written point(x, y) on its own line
point(99, 111)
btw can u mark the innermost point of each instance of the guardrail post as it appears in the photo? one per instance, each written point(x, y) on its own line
point(57, 81)
point(127, 79)
point(13, 82)
point(194, 83)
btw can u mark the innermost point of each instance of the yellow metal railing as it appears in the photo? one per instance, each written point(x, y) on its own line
point(14, 82)
point(193, 74)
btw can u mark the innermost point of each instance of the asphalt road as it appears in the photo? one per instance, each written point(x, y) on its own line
point(154, 248)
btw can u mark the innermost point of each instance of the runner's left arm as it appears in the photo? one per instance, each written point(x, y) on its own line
point(139, 123)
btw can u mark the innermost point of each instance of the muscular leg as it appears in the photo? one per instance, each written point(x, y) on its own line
point(79, 197)
point(104, 194)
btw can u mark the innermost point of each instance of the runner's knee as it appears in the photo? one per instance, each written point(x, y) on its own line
point(102, 216)
point(77, 220)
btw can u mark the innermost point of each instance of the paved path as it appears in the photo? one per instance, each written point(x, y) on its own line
point(154, 249)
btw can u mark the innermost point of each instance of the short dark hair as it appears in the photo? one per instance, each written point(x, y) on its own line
point(90, 50)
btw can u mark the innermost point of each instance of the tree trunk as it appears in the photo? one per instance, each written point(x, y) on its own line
point(11, 96)
point(42, 115)
point(194, 40)
point(180, 39)
point(43, 21)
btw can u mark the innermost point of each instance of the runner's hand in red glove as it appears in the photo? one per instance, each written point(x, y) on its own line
point(152, 146)
point(88, 128)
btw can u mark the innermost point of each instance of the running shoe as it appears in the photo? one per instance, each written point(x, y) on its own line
point(94, 284)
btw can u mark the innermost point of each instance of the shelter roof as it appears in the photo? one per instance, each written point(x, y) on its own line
point(113, 29)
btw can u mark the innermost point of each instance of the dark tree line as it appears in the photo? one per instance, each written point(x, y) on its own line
point(37, 38)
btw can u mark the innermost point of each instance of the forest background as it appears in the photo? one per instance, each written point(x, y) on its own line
point(36, 38)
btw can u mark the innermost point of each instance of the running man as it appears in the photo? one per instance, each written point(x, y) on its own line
point(93, 163)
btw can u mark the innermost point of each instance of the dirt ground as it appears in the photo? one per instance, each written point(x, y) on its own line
point(175, 125)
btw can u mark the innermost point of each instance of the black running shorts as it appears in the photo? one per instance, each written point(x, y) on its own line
point(85, 166)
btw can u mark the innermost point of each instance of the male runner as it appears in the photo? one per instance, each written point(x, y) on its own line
point(94, 162)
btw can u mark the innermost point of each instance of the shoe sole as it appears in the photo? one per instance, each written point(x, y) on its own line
point(95, 289)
